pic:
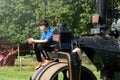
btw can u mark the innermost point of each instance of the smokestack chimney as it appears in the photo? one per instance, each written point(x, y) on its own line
point(102, 8)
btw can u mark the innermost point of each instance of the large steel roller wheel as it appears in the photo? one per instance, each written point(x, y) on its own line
point(59, 71)
point(49, 71)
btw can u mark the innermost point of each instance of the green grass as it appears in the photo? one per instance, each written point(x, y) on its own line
point(28, 68)
point(87, 63)
point(17, 73)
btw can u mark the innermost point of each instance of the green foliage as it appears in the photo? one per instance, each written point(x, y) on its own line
point(19, 18)
point(77, 14)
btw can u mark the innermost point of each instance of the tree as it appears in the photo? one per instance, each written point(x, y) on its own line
point(76, 13)
point(19, 18)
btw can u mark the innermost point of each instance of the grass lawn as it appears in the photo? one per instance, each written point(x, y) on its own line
point(87, 63)
point(28, 68)
point(17, 73)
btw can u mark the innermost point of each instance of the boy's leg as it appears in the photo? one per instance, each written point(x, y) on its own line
point(37, 52)
point(38, 56)
point(46, 48)
point(43, 48)
point(45, 55)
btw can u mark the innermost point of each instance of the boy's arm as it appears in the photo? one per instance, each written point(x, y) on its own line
point(40, 41)
point(31, 40)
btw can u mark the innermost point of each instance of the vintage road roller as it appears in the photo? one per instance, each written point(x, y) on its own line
point(102, 47)
point(71, 68)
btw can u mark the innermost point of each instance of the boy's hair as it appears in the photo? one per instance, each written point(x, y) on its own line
point(43, 22)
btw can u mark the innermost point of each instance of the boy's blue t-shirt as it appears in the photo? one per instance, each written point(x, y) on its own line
point(47, 35)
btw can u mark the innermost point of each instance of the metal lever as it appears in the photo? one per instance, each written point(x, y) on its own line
point(74, 61)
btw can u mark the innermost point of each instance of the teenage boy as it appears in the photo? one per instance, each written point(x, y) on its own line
point(43, 45)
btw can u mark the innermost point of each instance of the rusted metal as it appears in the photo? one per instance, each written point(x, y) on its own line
point(73, 64)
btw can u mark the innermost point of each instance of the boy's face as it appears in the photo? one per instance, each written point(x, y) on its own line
point(43, 27)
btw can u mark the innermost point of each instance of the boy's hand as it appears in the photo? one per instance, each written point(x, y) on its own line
point(30, 40)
